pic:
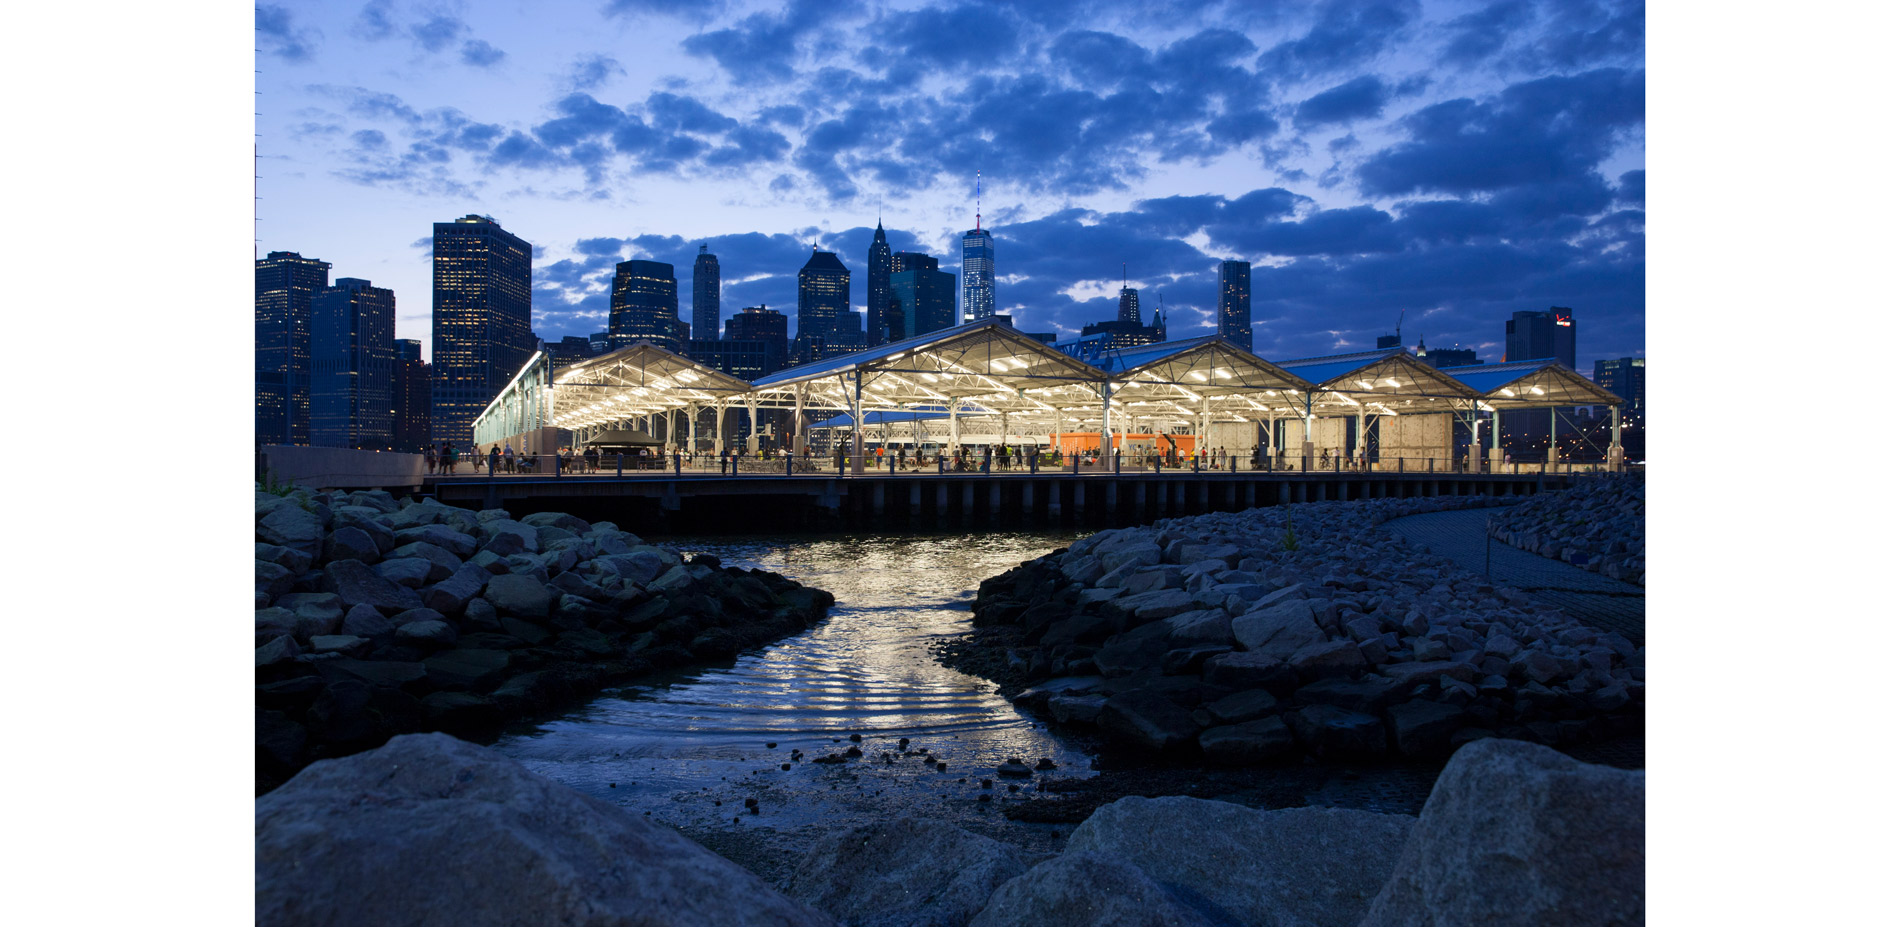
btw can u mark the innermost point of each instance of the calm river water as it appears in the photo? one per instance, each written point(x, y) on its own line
point(689, 749)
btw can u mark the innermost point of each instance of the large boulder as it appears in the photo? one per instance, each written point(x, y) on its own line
point(518, 594)
point(1518, 834)
point(1147, 719)
point(1307, 866)
point(290, 525)
point(429, 830)
point(902, 873)
point(350, 544)
point(1280, 630)
point(1249, 742)
point(1329, 730)
point(443, 536)
point(1080, 889)
point(356, 584)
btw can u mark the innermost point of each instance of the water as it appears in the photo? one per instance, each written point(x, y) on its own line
point(689, 749)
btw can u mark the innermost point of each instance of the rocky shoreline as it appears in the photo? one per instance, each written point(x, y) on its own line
point(1261, 636)
point(378, 617)
point(1596, 525)
point(429, 830)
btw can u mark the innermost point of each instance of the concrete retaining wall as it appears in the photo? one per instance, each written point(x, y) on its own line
point(342, 468)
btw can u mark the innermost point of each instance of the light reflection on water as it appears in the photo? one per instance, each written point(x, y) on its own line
point(672, 746)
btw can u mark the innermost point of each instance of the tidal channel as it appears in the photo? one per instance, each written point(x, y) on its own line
point(689, 748)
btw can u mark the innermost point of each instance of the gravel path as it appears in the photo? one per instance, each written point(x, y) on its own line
point(1589, 597)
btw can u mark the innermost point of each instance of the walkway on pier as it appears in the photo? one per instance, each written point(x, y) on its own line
point(1591, 598)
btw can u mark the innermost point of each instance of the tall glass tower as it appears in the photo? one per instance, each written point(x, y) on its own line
point(979, 273)
point(645, 306)
point(826, 323)
point(877, 290)
point(1235, 315)
point(479, 327)
point(353, 350)
point(285, 282)
point(705, 296)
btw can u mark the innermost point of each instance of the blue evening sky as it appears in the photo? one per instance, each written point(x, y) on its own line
point(1458, 161)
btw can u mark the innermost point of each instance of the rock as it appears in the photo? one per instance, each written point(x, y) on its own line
point(1084, 889)
point(901, 873)
point(1328, 730)
point(1208, 626)
point(317, 612)
point(278, 649)
point(1188, 660)
point(1014, 769)
point(337, 643)
point(1243, 706)
point(1517, 834)
point(1366, 695)
point(1077, 709)
point(443, 536)
point(1147, 719)
point(1536, 666)
point(366, 621)
point(432, 632)
point(1085, 570)
point(356, 584)
point(1147, 606)
point(1406, 675)
point(673, 580)
point(289, 525)
point(1279, 630)
point(280, 741)
point(412, 572)
point(350, 544)
point(1250, 671)
point(295, 561)
point(444, 564)
point(518, 595)
point(467, 668)
point(1422, 727)
point(453, 595)
point(1138, 651)
point(390, 673)
point(273, 580)
point(1153, 579)
point(1333, 658)
point(563, 521)
point(1248, 743)
point(429, 830)
point(1309, 866)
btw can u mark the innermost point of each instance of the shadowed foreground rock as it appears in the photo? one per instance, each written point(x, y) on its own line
point(428, 830)
point(1518, 834)
point(1307, 866)
point(1069, 891)
point(902, 873)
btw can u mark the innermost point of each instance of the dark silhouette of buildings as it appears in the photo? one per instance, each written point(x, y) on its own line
point(705, 295)
point(1445, 357)
point(409, 388)
point(877, 290)
point(285, 282)
point(827, 326)
point(571, 349)
point(353, 358)
point(979, 273)
point(1124, 331)
point(480, 334)
point(645, 306)
point(924, 298)
point(1624, 377)
point(1533, 335)
point(754, 346)
point(600, 342)
point(1130, 309)
point(1388, 341)
point(1234, 313)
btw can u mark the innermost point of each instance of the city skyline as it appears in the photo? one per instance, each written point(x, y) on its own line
point(1459, 162)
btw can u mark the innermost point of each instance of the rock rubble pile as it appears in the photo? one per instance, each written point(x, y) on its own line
point(1260, 635)
point(378, 617)
point(1597, 525)
point(430, 830)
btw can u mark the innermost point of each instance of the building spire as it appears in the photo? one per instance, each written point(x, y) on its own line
point(979, 199)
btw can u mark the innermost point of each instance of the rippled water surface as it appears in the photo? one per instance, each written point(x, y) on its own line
point(675, 747)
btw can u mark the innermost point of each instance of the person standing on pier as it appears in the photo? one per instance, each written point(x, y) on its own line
point(494, 458)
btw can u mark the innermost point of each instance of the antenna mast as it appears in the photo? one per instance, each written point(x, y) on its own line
point(979, 199)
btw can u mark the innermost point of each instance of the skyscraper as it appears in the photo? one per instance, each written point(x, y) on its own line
point(645, 306)
point(285, 282)
point(764, 326)
point(1130, 309)
point(480, 333)
point(979, 273)
point(353, 356)
point(1532, 335)
point(705, 295)
point(1624, 377)
point(924, 297)
point(410, 392)
point(877, 289)
point(827, 326)
point(1235, 315)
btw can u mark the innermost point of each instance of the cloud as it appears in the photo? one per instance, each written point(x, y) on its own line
point(278, 34)
point(1360, 98)
point(956, 37)
point(1347, 33)
point(1630, 187)
point(765, 44)
point(376, 22)
point(1540, 131)
point(1586, 33)
point(1478, 35)
point(633, 9)
point(437, 32)
point(480, 54)
point(590, 71)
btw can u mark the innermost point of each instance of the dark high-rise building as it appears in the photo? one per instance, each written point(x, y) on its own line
point(979, 273)
point(480, 334)
point(1624, 377)
point(1533, 335)
point(409, 388)
point(1235, 314)
point(747, 359)
point(645, 306)
point(1161, 324)
point(1130, 308)
point(352, 362)
point(877, 290)
point(925, 298)
point(600, 343)
point(827, 326)
point(1446, 357)
point(705, 295)
point(285, 282)
point(763, 326)
point(571, 349)
point(1388, 341)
